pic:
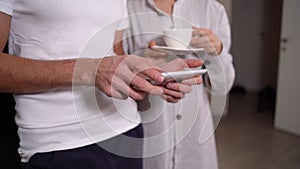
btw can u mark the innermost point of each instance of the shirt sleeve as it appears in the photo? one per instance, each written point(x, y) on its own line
point(222, 72)
point(6, 6)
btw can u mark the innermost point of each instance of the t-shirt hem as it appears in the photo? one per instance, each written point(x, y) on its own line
point(78, 144)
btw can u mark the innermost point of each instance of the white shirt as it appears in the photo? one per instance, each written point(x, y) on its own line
point(188, 140)
point(55, 30)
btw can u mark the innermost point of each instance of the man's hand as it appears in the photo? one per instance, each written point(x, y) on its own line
point(158, 57)
point(124, 76)
point(205, 38)
point(174, 91)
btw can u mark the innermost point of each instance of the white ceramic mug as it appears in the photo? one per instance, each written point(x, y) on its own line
point(178, 38)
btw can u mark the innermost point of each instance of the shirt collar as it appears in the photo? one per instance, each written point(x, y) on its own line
point(152, 5)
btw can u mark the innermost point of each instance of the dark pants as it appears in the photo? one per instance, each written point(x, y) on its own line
point(94, 156)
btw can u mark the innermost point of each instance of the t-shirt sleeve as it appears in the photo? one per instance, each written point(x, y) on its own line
point(6, 6)
point(124, 22)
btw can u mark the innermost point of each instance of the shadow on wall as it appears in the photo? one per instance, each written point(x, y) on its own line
point(266, 98)
point(9, 142)
point(9, 139)
point(256, 26)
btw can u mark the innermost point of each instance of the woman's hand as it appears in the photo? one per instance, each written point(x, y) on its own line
point(205, 38)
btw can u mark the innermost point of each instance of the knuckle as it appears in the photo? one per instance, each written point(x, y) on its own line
point(199, 81)
point(189, 89)
point(140, 83)
point(107, 91)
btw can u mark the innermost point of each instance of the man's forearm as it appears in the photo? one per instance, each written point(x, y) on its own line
point(20, 75)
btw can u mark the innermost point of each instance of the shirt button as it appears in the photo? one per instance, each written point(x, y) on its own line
point(178, 117)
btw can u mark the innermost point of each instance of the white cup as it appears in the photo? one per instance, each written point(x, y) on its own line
point(178, 38)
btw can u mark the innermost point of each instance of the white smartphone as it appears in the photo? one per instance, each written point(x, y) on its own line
point(180, 75)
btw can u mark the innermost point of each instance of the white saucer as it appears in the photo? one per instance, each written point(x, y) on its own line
point(180, 51)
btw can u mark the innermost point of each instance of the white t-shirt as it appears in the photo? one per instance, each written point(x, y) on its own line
point(181, 135)
point(55, 30)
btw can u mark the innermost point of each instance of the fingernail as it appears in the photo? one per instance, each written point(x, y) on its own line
point(160, 78)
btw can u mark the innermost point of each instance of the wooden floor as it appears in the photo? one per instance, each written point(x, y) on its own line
point(246, 139)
